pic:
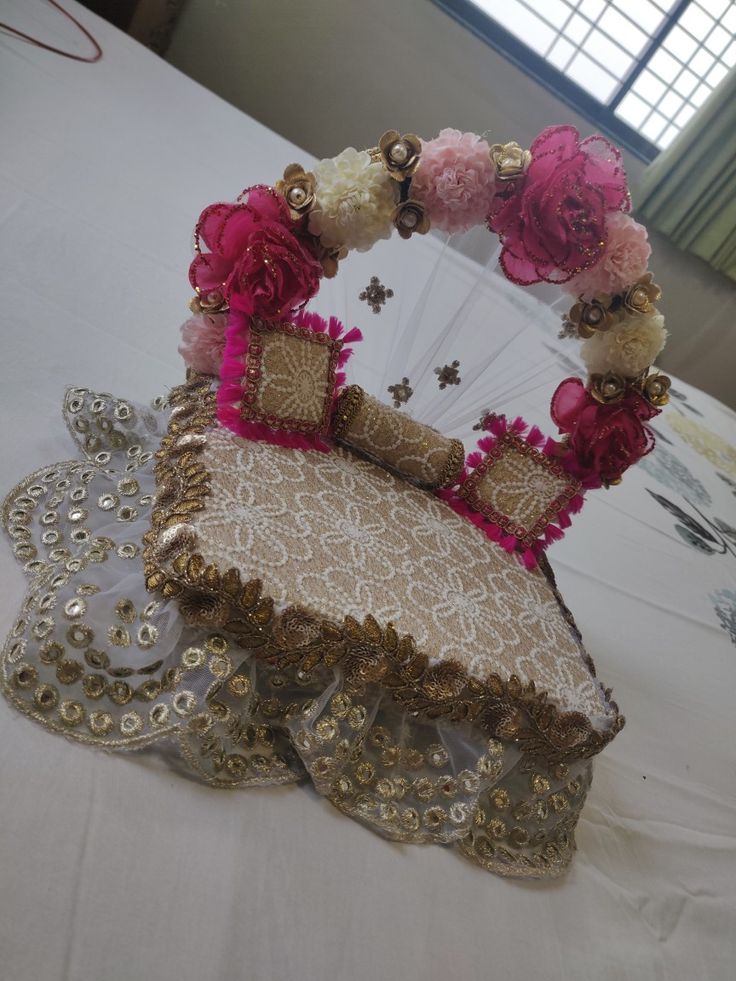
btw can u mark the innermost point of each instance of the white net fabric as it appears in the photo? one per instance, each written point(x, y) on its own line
point(451, 303)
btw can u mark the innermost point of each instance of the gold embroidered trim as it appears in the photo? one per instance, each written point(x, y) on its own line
point(508, 709)
point(348, 406)
point(454, 464)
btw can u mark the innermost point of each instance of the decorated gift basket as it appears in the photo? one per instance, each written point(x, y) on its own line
point(277, 574)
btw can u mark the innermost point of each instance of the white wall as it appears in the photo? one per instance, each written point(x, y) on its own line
point(334, 73)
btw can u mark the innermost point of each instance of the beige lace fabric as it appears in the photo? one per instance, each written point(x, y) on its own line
point(396, 441)
point(340, 536)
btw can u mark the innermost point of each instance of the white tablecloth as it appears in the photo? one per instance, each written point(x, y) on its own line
point(114, 868)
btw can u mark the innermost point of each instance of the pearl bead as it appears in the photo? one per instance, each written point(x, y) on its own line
point(409, 219)
point(297, 196)
point(399, 153)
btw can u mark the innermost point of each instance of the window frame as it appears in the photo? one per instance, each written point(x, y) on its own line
point(603, 116)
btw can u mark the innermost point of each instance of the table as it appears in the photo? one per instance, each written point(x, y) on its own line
point(115, 868)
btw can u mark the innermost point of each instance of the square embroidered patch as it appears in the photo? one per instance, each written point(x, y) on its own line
point(279, 379)
point(519, 488)
point(289, 378)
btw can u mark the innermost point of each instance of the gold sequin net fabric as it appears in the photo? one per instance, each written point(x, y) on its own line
point(94, 656)
point(397, 441)
point(342, 536)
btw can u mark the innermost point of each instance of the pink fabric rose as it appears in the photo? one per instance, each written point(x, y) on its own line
point(605, 439)
point(254, 257)
point(623, 262)
point(203, 342)
point(552, 222)
point(455, 180)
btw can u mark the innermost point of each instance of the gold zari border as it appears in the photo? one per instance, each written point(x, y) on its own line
point(508, 709)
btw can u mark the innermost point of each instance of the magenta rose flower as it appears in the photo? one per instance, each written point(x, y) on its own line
point(253, 256)
point(552, 222)
point(605, 439)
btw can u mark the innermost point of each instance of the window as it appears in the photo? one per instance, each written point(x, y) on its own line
point(638, 69)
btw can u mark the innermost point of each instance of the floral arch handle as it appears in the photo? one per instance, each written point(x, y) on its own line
point(561, 212)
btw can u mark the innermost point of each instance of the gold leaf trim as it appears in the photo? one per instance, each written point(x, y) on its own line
point(348, 406)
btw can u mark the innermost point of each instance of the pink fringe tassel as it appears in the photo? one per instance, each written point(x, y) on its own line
point(552, 534)
point(535, 437)
point(529, 559)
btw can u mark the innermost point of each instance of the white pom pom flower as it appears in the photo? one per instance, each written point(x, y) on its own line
point(355, 200)
point(628, 348)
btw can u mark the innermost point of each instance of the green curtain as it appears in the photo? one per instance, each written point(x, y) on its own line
point(689, 191)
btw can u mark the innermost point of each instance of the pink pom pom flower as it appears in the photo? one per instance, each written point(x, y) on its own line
point(624, 260)
point(455, 180)
point(203, 342)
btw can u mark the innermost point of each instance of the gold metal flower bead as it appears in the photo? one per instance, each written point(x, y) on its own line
point(641, 297)
point(510, 160)
point(410, 217)
point(400, 154)
point(656, 389)
point(607, 388)
point(298, 187)
point(212, 302)
point(589, 317)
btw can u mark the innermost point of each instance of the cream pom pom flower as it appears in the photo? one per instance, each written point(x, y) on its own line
point(628, 348)
point(354, 202)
